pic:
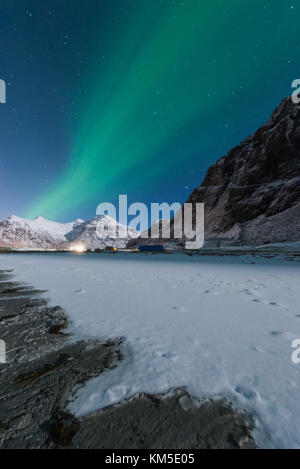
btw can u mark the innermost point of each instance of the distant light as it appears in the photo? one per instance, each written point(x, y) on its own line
point(78, 248)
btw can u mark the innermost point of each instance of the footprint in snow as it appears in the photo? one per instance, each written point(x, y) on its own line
point(248, 292)
point(117, 393)
point(170, 356)
point(80, 291)
point(256, 349)
point(182, 309)
point(248, 394)
point(276, 333)
point(167, 355)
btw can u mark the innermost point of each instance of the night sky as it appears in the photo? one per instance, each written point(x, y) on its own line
point(137, 97)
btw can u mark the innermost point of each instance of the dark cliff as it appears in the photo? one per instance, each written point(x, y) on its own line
point(252, 195)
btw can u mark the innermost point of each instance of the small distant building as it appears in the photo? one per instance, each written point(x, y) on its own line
point(5, 249)
point(152, 248)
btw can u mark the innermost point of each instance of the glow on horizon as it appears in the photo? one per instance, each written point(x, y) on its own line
point(80, 248)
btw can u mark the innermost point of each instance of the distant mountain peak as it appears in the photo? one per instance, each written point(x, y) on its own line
point(46, 234)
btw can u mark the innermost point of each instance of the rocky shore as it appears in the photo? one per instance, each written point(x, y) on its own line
point(45, 369)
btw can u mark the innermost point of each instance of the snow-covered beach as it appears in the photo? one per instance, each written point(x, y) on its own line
point(219, 326)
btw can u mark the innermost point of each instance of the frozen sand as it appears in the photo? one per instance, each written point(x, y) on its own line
point(220, 326)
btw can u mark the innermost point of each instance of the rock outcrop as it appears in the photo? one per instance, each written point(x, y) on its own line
point(252, 196)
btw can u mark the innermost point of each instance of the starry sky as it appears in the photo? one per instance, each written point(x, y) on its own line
point(134, 97)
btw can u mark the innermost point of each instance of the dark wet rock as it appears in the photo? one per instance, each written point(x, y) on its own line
point(62, 429)
point(43, 370)
point(173, 421)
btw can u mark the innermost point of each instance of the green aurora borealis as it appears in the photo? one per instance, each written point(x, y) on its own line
point(172, 72)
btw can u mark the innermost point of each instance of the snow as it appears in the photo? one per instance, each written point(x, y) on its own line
point(102, 231)
point(57, 230)
point(220, 326)
point(98, 232)
point(34, 233)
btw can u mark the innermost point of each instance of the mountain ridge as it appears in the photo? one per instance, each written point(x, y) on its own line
point(40, 233)
point(252, 195)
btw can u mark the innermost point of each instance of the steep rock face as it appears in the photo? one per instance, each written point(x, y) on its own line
point(252, 196)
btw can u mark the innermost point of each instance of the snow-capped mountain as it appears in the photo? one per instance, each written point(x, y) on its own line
point(100, 232)
point(40, 233)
